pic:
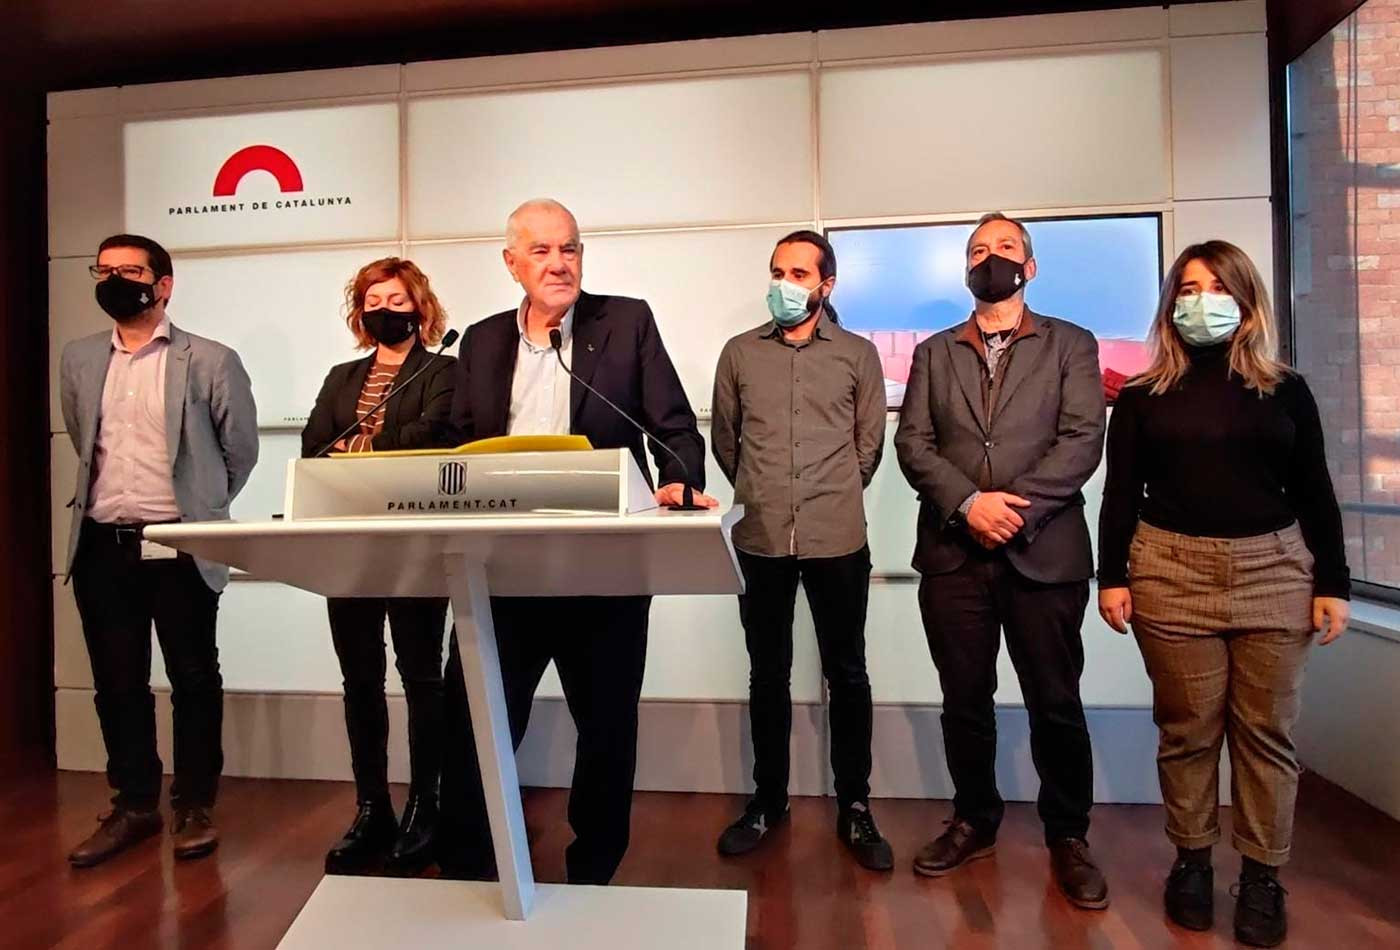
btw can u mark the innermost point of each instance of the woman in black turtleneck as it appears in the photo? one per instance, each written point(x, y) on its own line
point(1220, 541)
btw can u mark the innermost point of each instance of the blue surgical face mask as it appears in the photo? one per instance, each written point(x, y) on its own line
point(790, 303)
point(1206, 319)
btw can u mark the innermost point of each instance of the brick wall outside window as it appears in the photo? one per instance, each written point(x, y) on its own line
point(1345, 150)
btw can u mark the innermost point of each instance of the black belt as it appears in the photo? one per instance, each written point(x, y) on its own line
point(122, 533)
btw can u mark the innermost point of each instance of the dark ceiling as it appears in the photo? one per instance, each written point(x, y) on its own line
point(86, 42)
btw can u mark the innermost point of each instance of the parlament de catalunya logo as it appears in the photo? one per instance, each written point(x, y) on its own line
point(277, 163)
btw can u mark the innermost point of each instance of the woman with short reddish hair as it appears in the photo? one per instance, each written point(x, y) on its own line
point(391, 308)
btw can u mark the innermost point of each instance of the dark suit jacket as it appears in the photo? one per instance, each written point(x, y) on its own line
point(618, 351)
point(1043, 440)
point(417, 419)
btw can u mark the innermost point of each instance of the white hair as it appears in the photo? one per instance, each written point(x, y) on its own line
point(534, 204)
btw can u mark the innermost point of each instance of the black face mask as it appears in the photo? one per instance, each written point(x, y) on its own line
point(391, 326)
point(125, 299)
point(996, 279)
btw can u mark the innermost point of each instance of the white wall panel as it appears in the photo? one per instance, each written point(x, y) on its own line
point(902, 672)
point(1247, 222)
point(73, 314)
point(1212, 19)
point(265, 492)
point(1037, 131)
point(71, 669)
point(283, 314)
point(334, 177)
point(77, 103)
point(1220, 116)
point(85, 163)
point(610, 63)
point(1000, 33)
point(253, 90)
point(696, 651)
point(703, 287)
point(63, 475)
point(704, 151)
point(1351, 715)
point(891, 511)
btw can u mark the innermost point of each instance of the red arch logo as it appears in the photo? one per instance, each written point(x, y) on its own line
point(257, 158)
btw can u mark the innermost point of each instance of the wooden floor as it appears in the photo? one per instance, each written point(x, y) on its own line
point(803, 891)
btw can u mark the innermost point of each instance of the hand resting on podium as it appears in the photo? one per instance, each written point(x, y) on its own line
point(674, 494)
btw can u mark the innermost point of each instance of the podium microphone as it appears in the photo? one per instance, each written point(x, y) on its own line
point(556, 340)
point(448, 339)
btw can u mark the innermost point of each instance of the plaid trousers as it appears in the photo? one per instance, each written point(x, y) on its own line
point(1224, 626)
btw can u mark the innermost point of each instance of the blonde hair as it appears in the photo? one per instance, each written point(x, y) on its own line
point(1253, 348)
point(432, 319)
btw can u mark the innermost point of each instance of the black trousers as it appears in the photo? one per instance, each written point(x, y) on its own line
point(964, 612)
point(837, 591)
point(119, 597)
point(417, 625)
point(599, 647)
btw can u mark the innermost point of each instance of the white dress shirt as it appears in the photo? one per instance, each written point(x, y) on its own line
point(539, 393)
point(132, 481)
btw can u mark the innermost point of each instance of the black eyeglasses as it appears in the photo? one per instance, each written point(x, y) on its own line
point(129, 271)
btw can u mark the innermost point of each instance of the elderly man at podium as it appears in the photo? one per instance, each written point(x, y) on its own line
point(567, 362)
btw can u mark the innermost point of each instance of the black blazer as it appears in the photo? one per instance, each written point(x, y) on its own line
point(1043, 441)
point(618, 351)
point(418, 419)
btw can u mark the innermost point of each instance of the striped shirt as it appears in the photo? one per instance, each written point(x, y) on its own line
point(377, 385)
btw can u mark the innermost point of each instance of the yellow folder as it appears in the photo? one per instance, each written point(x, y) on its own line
point(498, 445)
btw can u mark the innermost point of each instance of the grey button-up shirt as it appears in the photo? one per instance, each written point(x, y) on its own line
point(798, 429)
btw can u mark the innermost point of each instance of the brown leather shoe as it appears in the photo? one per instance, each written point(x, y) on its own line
point(1079, 878)
point(118, 830)
point(194, 833)
point(955, 847)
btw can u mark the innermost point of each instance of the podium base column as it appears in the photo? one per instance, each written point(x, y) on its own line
point(481, 669)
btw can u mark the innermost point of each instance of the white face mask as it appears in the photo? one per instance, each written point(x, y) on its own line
point(1206, 319)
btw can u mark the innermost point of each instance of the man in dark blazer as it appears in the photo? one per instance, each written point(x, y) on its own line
point(509, 382)
point(1002, 425)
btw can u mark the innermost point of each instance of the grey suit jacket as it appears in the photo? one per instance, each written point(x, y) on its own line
point(1043, 441)
point(211, 425)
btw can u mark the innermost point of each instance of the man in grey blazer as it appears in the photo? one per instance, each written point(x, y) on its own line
point(1002, 425)
point(166, 430)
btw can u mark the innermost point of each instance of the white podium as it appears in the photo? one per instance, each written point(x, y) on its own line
point(467, 527)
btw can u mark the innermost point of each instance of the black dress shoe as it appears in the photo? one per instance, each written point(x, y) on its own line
point(1079, 877)
point(855, 826)
point(366, 842)
point(749, 829)
point(1260, 917)
point(1190, 895)
point(413, 851)
point(958, 845)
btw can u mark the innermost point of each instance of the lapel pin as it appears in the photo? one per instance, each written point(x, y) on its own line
point(590, 347)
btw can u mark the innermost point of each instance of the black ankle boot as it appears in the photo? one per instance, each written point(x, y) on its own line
point(1190, 894)
point(366, 842)
point(413, 851)
point(1261, 919)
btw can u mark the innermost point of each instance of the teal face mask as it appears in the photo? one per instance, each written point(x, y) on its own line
point(789, 303)
point(1206, 319)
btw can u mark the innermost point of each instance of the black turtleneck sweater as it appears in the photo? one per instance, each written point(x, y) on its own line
point(1213, 459)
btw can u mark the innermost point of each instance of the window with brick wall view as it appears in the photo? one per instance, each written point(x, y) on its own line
point(898, 285)
point(1344, 150)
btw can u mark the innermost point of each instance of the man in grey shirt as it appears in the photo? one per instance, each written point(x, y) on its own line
point(798, 428)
